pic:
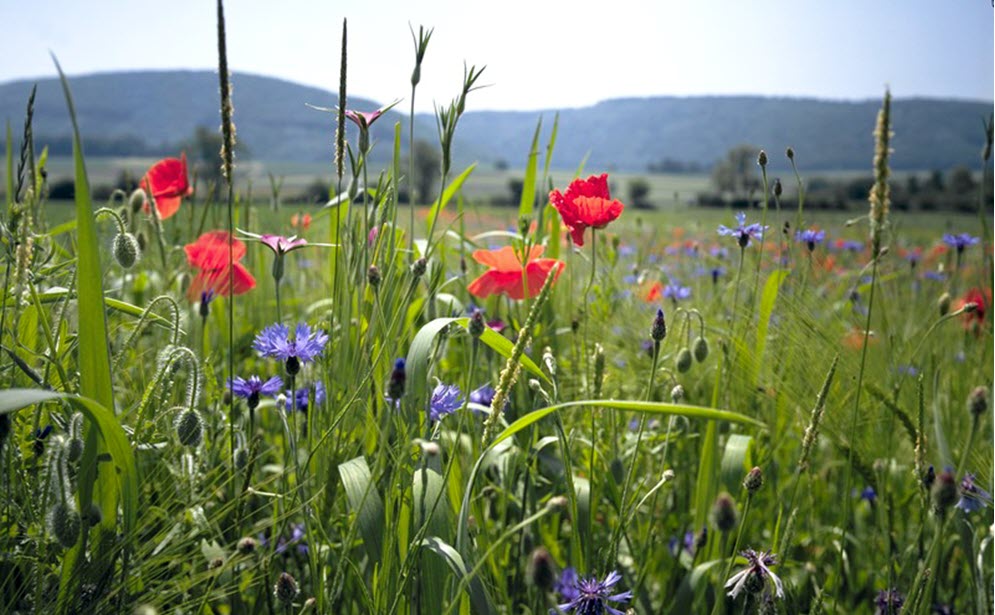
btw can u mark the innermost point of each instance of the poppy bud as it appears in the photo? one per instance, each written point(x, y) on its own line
point(418, 267)
point(541, 571)
point(943, 304)
point(977, 401)
point(189, 427)
point(127, 252)
point(944, 491)
point(790, 153)
point(142, 241)
point(754, 480)
point(247, 545)
point(477, 325)
point(677, 394)
point(700, 349)
point(373, 276)
point(762, 158)
point(724, 514)
point(74, 449)
point(285, 589)
point(659, 329)
point(64, 524)
point(683, 361)
point(137, 200)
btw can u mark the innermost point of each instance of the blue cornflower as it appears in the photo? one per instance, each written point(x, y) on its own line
point(960, 241)
point(675, 291)
point(744, 231)
point(717, 272)
point(297, 537)
point(907, 370)
point(972, 497)
point(300, 397)
point(274, 341)
point(810, 238)
point(888, 601)
point(590, 596)
point(937, 276)
point(626, 250)
point(757, 573)
point(250, 390)
point(849, 245)
point(205, 302)
point(446, 399)
point(686, 544)
point(869, 494)
point(483, 395)
point(398, 377)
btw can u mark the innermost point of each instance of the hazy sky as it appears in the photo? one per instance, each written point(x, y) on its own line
point(539, 54)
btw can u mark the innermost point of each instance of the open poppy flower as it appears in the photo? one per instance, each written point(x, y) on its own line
point(167, 182)
point(586, 203)
point(209, 254)
point(506, 275)
point(982, 299)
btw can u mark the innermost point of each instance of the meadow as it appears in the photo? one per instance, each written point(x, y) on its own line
point(572, 406)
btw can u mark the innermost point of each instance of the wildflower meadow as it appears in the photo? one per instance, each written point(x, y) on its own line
point(373, 406)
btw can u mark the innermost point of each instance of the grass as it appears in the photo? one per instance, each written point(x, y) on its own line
point(615, 452)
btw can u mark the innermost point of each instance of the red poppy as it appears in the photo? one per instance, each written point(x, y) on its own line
point(586, 203)
point(507, 276)
point(982, 299)
point(167, 182)
point(302, 220)
point(209, 254)
point(655, 292)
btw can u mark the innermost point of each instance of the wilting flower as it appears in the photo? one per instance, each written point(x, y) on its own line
point(252, 388)
point(216, 272)
point(167, 182)
point(301, 396)
point(446, 399)
point(960, 241)
point(507, 276)
point(274, 341)
point(972, 497)
point(888, 601)
point(586, 203)
point(744, 231)
point(590, 596)
point(756, 575)
point(810, 237)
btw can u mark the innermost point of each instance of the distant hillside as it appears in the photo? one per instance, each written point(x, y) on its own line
point(152, 112)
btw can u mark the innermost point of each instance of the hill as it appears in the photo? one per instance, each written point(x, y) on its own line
point(152, 112)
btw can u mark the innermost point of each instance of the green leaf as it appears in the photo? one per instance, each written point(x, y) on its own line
point(53, 295)
point(706, 481)
point(479, 600)
point(767, 300)
point(736, 461)
point(433, 515)
point(447, 195)
point(94, 372)
point(10, 166)
point(525, 205)
point(365, 501)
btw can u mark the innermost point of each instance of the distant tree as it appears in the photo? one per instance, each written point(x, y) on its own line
point(317, 191)
point(638, 191)
point(428, 165)
point(62, 190)
point(500, 164)
point(737, 172)
point(960, 180)
point(516, 186)
point(935, 181)
point(912, 185)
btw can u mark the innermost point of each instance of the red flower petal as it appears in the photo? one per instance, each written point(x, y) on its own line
point(218, 281)
point(505, 259)
point(587, 203)
point(167, 182)
point(514, 283)
point(210, 251)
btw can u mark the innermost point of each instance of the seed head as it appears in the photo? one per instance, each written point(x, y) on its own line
point(189, 427)
point(659, 329)
point(418, 267)
point(285, 589)
point(762, 158)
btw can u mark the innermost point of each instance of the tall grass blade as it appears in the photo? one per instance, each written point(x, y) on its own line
point(525, 205)
point(365, 502)
point(448, 194)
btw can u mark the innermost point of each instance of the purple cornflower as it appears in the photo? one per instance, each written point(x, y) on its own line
point(717, 272)
point(205, 302)
point(686, 544)
point(446, 399)
point(744, 231)
point(398, 377)
point(849, 245)
point(960, 241)
point(274, 341)
point(297, 537)
point(301, 397)
point(810, 238)
point(250, 390)
point(676, 292)
point(972, 497)
point(907, 370)
point(590, 596)
point(869, 494)
point(889, 601)
point(483, 395)
point(756, 574)
point(937, 276)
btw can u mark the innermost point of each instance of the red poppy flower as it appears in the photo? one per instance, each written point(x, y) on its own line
point(302, 220)
point(654, 293)
point(586, 203)
point(507, 276)
point(167, 182)
point(209, 254)
point(982, 299)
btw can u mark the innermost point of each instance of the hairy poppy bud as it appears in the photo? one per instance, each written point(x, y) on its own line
point(541, 571)
point(943, 304)
point(64, 524)
point(683, 361)
point(724, 514)
point(677, 394)
point(241, 458)
point(790, 153)
point(285, 589)
point(977, 401)
point(700, 349)
point(127, 252)
point(754, 480)
point(189, 427)
point(137, 200)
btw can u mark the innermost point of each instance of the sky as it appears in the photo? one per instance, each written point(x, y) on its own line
point(539, 54)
